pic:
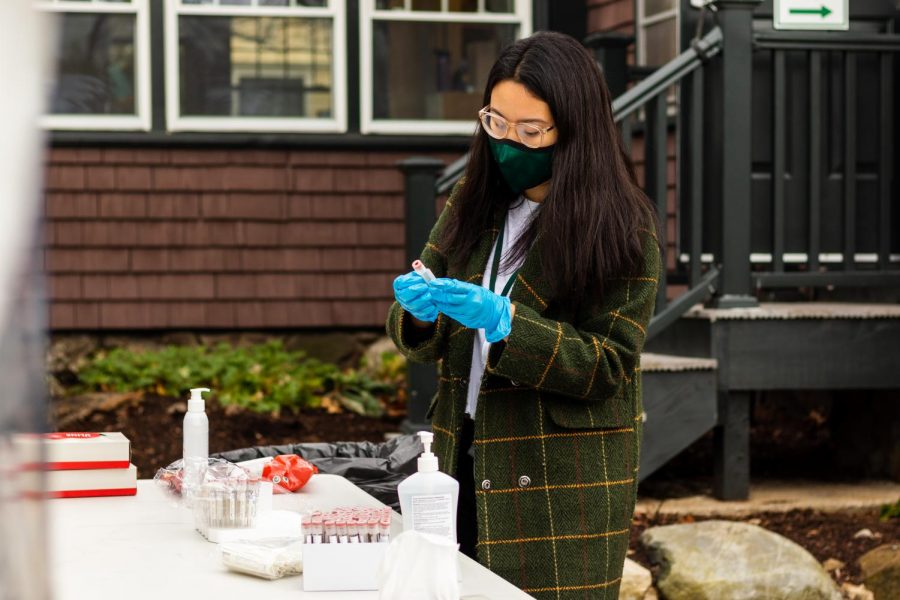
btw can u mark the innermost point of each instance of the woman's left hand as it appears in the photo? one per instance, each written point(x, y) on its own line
point(473, 306)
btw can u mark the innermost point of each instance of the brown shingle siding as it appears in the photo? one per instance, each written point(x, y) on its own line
point(206, 238)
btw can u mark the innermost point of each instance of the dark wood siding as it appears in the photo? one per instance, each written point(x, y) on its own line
point(233, 239)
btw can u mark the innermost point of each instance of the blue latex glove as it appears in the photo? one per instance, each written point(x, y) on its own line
point(473, 306)
point(414, 296)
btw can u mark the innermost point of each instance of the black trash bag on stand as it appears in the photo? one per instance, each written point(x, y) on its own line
point(375, 468)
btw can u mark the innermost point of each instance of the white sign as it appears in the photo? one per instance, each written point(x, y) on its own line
point(811, 14)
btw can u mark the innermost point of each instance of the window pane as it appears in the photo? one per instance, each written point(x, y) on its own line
point(463, 5)
point(652, 7)
point(255, 66)
point(95, 65)
point(389, 5)
point(434, 70)
point(426, 5)
point(660, 42)
point(499, 6)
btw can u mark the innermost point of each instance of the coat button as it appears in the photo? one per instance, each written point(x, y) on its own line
point(524, 481)
point(486, 484)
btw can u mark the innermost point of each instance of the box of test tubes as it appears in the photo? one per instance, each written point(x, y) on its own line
point(91, 483)
point(344, 547)
point(74, 451)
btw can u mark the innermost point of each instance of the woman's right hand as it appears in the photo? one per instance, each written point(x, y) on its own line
point(414, 296)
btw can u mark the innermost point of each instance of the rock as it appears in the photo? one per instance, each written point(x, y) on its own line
point(832, 564)
point(856, 592)
point(864, 533)
point(651, 594)
point(373, 354)
point(65, 412)
point(712, 560)
point(68, 353)
point(636, 581)
point(881, 570)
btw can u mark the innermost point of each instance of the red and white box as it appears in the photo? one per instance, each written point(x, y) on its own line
point(89, 483)
point(75, 451)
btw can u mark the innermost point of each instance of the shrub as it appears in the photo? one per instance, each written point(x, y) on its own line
point(263, 378)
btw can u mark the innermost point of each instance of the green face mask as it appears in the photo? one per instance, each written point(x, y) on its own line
point(522, 167)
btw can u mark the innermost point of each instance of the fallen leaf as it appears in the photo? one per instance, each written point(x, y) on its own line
point(832, 564)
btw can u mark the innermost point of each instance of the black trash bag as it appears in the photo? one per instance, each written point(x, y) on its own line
point(376, 468)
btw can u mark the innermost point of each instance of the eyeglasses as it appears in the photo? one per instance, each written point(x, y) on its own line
point(497, 127)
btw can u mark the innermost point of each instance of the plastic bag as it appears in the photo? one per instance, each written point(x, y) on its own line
point(376, 468)
point(271, 558)
point(172, 478)
point(288, 472)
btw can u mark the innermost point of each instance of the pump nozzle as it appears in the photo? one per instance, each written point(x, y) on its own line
point(196, 404)
point(428, 462)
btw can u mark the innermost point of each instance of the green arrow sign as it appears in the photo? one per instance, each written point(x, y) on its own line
point(824, 11)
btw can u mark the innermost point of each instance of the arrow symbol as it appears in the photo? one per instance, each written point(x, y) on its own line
point(824, 11)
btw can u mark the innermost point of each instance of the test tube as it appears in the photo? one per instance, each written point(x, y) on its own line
point(341, 524)
point(317, 531)
point(423, 271)
point(330, 531)
point(384, 533)
point(372, 529)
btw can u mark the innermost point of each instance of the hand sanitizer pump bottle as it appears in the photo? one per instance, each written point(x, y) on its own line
point(195, 444)
point(428, 498)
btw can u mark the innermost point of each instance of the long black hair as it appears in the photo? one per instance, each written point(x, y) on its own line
point(589, 224)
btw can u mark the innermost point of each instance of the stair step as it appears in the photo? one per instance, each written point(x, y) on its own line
point(798, 310)
point(667, 363)
point(680, 401)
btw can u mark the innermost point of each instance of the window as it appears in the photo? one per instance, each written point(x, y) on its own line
point(102, 71)
point(424, 63)
point(256, 65)
point(657, 25)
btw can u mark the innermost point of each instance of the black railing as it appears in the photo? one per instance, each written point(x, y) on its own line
point(832, 63)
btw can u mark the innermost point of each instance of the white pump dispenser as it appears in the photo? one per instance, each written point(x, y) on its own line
point(196, 426)
point(195, 443)
point(428, 498)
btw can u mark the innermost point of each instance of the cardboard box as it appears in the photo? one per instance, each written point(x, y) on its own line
point(88, 483)
point(78, 451)
point(342, 567)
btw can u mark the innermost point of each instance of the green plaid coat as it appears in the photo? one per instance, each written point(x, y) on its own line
point(558, 423)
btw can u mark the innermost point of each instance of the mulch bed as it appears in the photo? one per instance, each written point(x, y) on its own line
point(781, 450)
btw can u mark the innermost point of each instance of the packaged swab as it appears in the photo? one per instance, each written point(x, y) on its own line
point(423, 271)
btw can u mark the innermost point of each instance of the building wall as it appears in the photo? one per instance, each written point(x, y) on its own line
point(234, 239)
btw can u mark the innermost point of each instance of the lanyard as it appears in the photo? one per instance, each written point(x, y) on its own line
point(498, 250)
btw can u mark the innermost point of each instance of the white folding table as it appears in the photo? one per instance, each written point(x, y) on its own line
point(145, 547)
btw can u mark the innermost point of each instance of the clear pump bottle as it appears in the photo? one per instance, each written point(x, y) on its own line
point(429, 497)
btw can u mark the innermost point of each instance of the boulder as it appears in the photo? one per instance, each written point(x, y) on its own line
point(724, 560)
point(636, 581)
point(881, 570)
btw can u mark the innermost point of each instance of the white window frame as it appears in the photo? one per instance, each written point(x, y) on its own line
point(337, 123)
point(368, 14)
point(641, 24)
point(141, 120)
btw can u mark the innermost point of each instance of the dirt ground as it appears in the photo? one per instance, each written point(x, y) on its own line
point(781, 448)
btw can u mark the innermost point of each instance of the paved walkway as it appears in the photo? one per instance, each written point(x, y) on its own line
point(781, 496)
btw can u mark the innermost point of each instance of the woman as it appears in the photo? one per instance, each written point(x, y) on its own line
point(538, 408)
